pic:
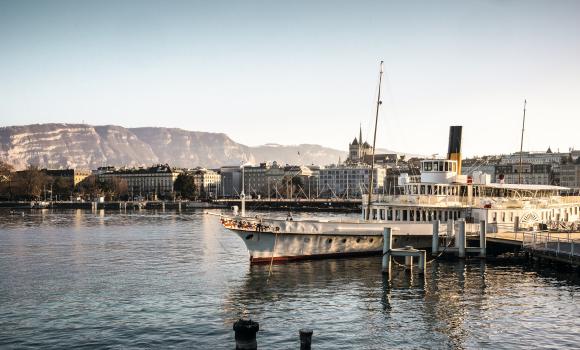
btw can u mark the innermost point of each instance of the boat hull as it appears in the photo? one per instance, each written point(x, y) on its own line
point(267, 247)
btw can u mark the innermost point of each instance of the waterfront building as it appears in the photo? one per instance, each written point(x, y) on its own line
point(349, 181)
point(207, 182)
point(485, 165)
point(275, 183)
point(231, 181)
point(73, 176)
point(570, 174)
point(548, 157)
point(254, 179)
point(143, 182)
point(533, 174)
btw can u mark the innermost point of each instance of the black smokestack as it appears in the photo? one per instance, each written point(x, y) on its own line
point(454, 149)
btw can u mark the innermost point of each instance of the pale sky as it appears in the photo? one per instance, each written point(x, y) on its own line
point(293, 72)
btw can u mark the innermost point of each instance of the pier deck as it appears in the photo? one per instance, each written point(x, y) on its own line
point(563, 247)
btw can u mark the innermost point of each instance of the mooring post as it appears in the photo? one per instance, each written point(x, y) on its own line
point(409, 259)
point(246, 334)
point(450, 231)
point(461, 241)
point(435, 244)
point(387, 246)
point(422, 259)
point(482, 239)
point(305, 339)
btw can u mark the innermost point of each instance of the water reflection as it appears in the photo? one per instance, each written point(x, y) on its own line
point(154, 277)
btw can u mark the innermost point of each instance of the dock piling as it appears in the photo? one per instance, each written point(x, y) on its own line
point(450, 231)
point(246, 334)
point(482, 239)
point(422, 261)
point(435, 243)
point(387, 246)
point(461, 241)
point(305, 339)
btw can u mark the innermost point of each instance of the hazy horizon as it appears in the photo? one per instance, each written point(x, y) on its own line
point(301, 72)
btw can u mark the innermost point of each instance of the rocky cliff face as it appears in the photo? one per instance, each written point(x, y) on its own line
point(86, 146)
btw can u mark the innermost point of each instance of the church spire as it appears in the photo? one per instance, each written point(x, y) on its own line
point(360, 141)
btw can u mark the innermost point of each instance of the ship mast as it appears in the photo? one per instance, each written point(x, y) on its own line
point(371, 175)
point(522, 145)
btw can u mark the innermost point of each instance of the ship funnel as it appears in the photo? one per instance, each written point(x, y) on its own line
point(454, 150)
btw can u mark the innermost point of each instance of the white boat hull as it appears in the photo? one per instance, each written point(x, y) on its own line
point(297, 240)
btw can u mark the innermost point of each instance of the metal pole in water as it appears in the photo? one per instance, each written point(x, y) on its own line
point(387, 246)
point(451, 230)
point(435, 244)
point(409, 259)
point(482, 239)
point(422, 259)
point(305, 339)
point(461, 241)
point(246, 334)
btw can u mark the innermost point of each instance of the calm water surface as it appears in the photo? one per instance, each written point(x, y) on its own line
point(178, 280)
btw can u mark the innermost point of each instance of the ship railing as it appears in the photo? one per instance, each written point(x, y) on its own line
point(567, 199)
point(421, 199)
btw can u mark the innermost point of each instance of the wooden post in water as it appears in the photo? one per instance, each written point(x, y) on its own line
point(387, 246)
point(435, 244)
point(246, 334)
point(305, 339)
point(460, 240)
point(482, 239)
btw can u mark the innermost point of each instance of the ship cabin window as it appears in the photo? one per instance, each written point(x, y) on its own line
point(397, 215)
point(382, 214)
point(422, 189)
point(427, 166)
point(390, 214)
point(512, 216)
point(374, 214)
point(503, 216)
point(411, 215)
point(404, 215)
point(494, 216)
point(429, 189)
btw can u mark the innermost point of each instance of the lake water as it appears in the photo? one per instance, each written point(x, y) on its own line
point(179, 280)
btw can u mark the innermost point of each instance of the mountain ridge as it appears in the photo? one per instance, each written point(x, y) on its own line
point(63, 145)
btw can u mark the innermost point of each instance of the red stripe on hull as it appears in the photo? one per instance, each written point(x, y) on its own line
point(284, 259)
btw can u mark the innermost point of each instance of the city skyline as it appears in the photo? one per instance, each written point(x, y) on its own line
point(302, 72)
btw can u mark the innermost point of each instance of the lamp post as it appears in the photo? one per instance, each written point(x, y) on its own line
point(242, 194)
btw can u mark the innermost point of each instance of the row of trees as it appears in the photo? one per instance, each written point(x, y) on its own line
point(35, 184)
